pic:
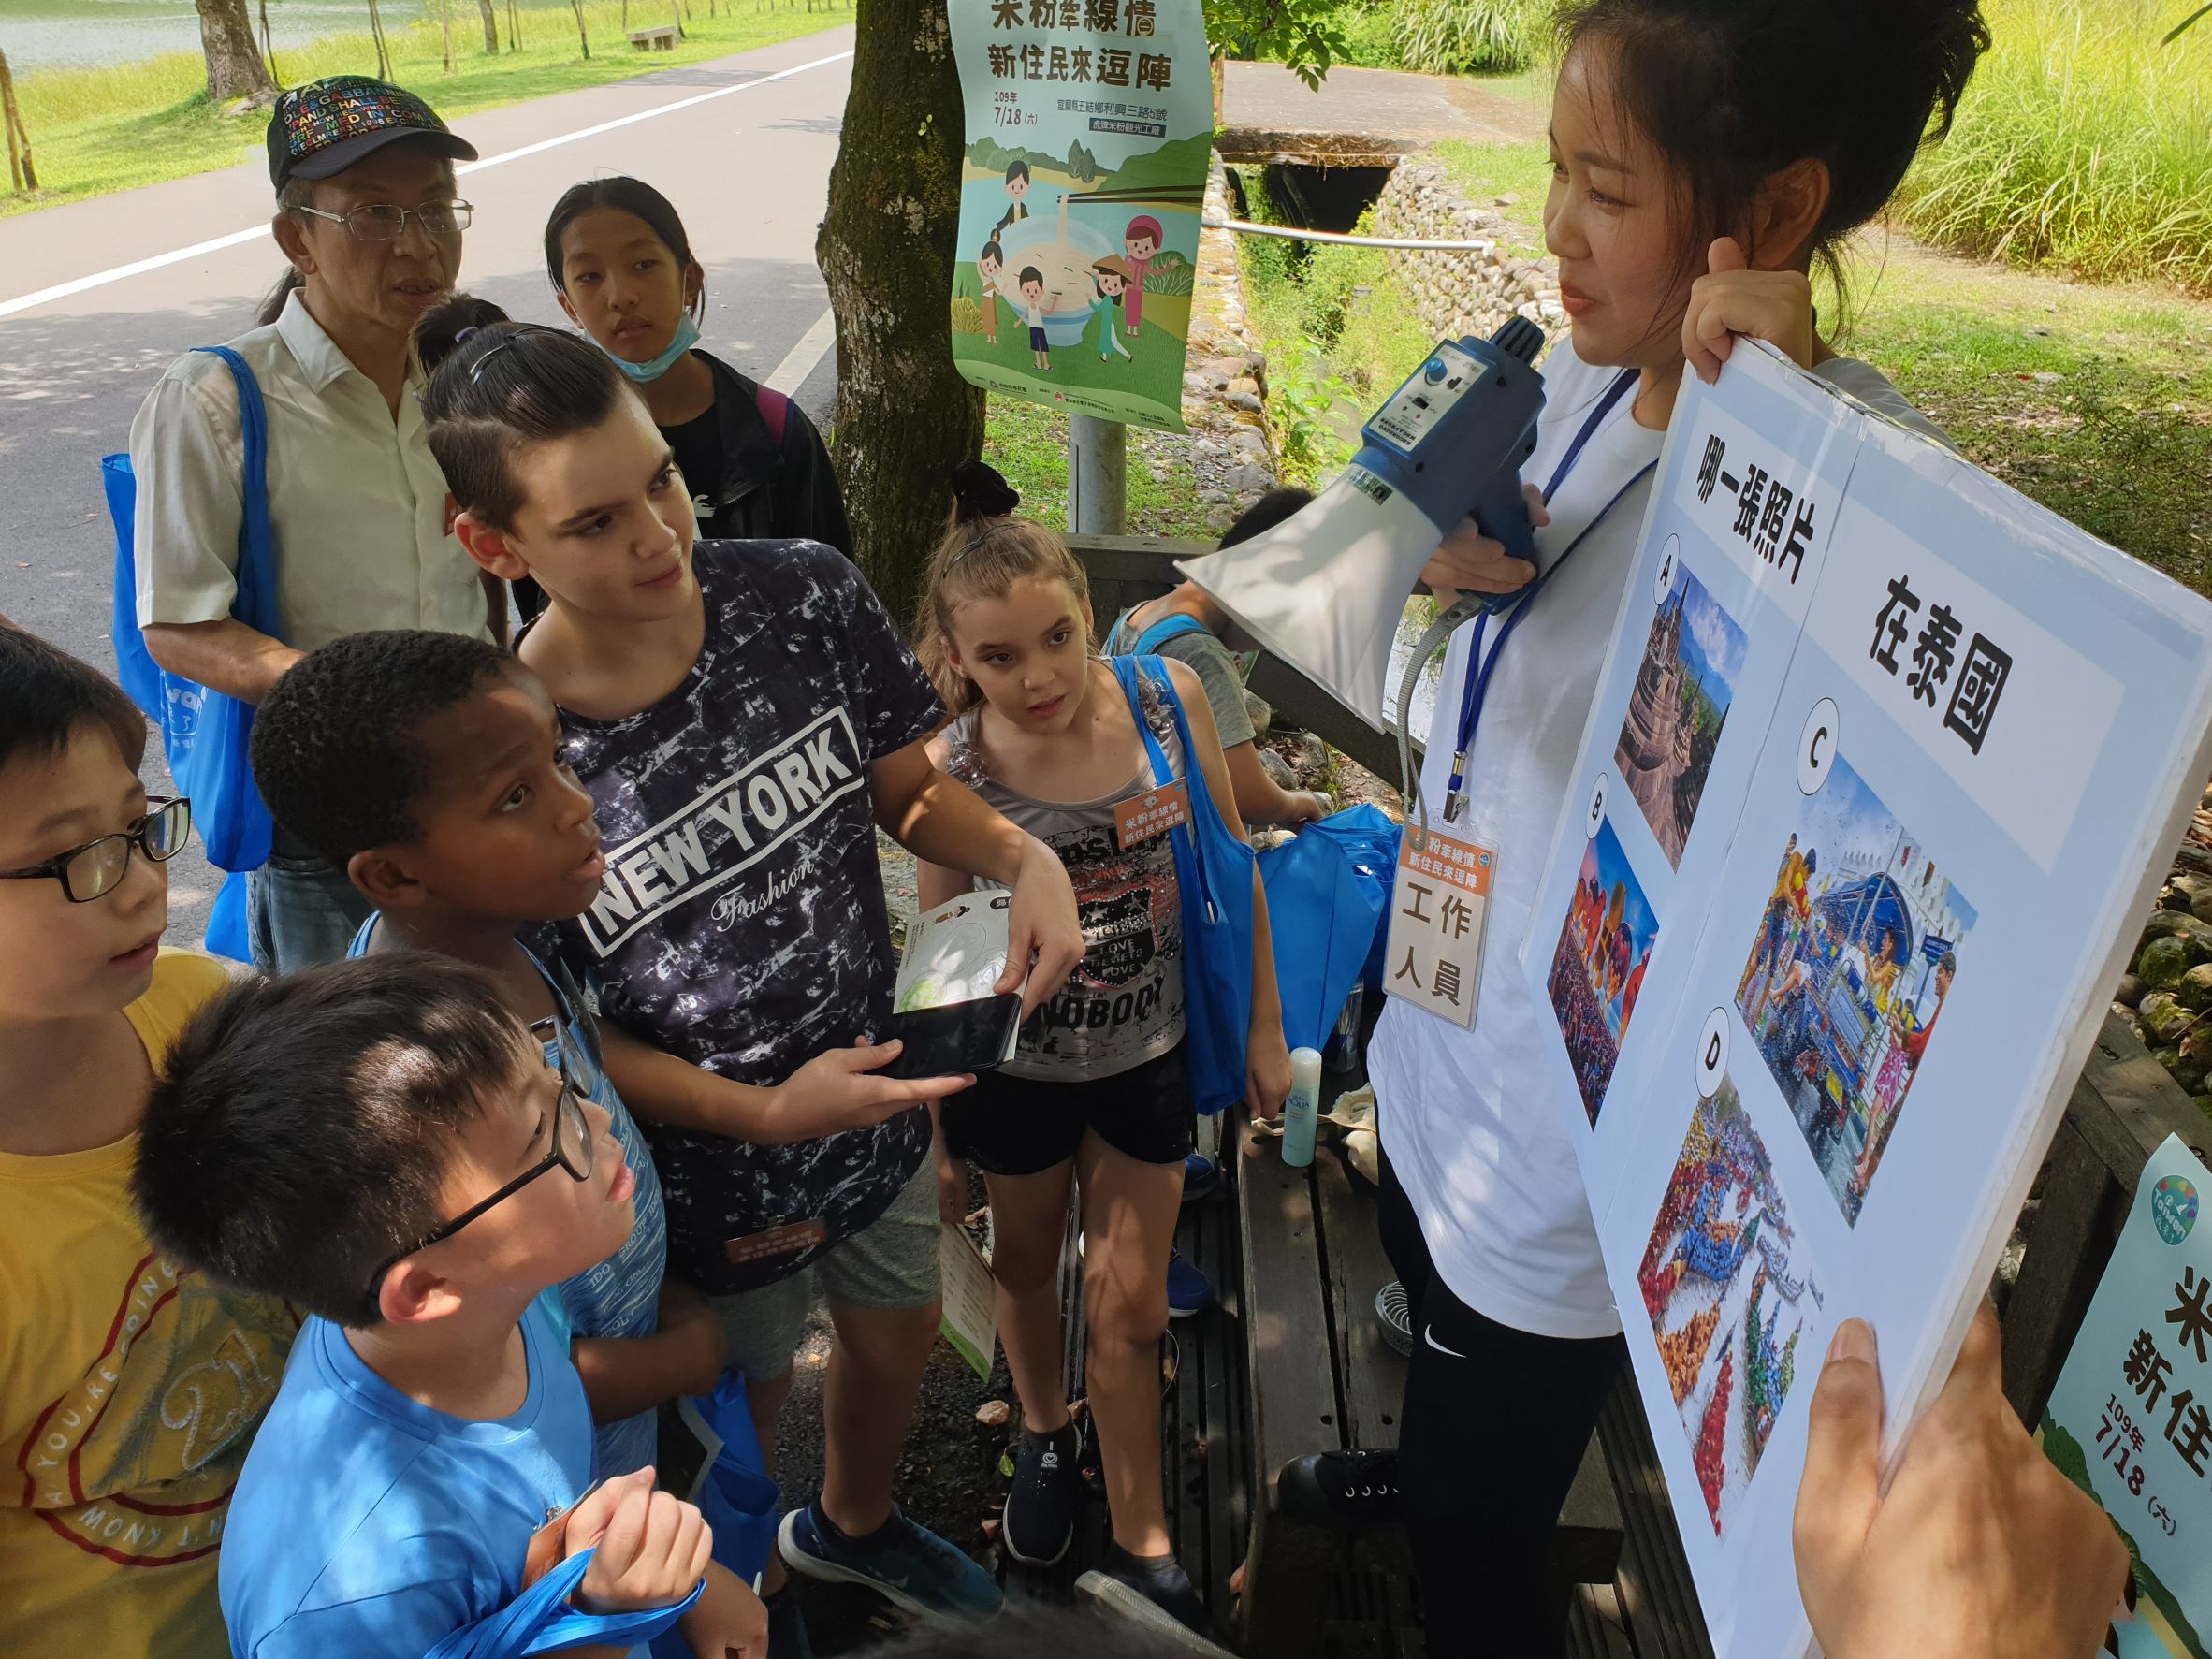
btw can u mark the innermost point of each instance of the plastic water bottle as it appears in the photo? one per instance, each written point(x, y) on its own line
point(1302, 1107)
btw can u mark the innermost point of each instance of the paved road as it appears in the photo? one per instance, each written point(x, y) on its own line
point(748, 165)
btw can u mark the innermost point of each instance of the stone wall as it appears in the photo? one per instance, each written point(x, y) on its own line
point(1462, 293)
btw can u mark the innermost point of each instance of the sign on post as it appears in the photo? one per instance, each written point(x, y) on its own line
point(1090, 127)
point(1883, 768)
point(2129, 1421)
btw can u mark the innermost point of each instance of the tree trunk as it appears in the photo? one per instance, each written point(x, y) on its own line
point(904, 418)
point(268, 46)
point(235, 69)
point(676, 10)
point(384, 52)
point(22, 171)
point(583, 34)
point(513, 28)
point(445, 23)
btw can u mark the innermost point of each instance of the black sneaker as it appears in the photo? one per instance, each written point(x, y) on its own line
point(1047, 1491)
point(1155, 1593)
point(1341, 1488)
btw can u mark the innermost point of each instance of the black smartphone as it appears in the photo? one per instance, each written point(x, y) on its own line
point(959, 1037)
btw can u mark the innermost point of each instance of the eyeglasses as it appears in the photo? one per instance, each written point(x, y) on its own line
point(380, 221)
point(574, 1149)
point(88, 872)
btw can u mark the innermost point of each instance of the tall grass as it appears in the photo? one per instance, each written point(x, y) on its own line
point(2081, 141)
point(113, 127)
point(1472, 36)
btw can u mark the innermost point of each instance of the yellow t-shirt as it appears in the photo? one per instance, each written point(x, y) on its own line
point(128, 1391)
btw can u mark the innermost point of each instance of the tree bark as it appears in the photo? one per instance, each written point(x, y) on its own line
point(904, 418)
point(235, 69)
point(384, 52)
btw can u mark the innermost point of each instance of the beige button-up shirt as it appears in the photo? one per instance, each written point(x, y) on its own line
point(355, 498)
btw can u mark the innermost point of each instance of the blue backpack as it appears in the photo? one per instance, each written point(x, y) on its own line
point(1213, 870)
point(203, 732)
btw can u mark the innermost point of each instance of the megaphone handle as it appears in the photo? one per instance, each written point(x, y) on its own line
point(1502, 513)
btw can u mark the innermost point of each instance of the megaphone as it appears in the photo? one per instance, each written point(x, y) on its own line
point(1325, 590)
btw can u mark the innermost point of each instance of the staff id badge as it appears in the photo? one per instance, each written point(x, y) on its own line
point(1433, 955)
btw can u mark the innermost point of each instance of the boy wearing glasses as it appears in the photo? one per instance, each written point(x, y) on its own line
point(383, 1144)
point(370, 219)
point(428, 769)
point(129, 1387)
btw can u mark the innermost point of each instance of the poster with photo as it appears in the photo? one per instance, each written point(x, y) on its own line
point(1089, 125)
point(1887, 761)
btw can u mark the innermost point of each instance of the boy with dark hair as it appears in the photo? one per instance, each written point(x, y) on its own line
point(129, 1385)
point(382, 1143)
point(746, 719)
point(428, 766)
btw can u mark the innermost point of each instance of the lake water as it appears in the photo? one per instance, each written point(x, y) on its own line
point(56, 33)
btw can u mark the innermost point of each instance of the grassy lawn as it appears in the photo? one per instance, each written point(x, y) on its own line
point(1028, 442)
point(2095, 400)
point(99, 130)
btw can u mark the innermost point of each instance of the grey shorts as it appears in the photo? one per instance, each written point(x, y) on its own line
point(890, 1263)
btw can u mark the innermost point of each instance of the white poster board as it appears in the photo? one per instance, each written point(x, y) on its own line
point(1881, 777)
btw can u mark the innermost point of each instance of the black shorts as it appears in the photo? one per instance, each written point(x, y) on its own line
point(1023, 1126)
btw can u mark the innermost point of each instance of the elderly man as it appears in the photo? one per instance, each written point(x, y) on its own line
point(370, 219)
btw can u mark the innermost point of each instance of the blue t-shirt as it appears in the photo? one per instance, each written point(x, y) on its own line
point(368, 1525)
point(621, 1296)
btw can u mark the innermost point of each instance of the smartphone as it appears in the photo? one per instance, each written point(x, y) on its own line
point(973, 1036)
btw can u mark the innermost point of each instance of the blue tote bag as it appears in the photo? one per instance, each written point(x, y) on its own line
point(203, 732)
point(1213, 870)
point(1321, 920)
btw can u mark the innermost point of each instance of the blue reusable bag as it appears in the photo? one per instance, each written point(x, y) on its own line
point(204, 734)
point(1213, 870)
point(540, 1620)
point(1371, 841)
point(1321, 920)
point(737, 1498)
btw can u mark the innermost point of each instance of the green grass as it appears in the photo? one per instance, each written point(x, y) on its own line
point(2095, 400)
point(113, 128)
point(1028, 442)
point(2081, 141)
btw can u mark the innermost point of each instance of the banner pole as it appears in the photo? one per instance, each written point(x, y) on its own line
point(1097, 476)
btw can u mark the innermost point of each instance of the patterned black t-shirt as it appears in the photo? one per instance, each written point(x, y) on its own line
point(741, 923)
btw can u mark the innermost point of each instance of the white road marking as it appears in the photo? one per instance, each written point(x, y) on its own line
point(139, 266)
point(798, 363)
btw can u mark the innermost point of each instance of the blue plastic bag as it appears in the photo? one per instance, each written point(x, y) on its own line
point(1370, 841)
point(1213, 870)
point(204, 734)
point(540, 1620)
point(1322, 918)
point(737, 1498)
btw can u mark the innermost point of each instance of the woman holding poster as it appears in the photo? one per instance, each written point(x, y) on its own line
point(1704, 159)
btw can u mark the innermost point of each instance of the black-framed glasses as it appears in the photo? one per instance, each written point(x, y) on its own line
point(381, 222)
point(93, 870)
point(574, 1149)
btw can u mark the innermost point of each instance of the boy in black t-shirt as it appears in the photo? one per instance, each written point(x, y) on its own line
point(745, 715)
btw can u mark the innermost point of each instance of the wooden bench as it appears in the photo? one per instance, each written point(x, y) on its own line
point(1297, 1365)
point(660, 37)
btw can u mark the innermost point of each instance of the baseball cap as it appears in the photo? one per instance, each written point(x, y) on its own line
point(325, 127)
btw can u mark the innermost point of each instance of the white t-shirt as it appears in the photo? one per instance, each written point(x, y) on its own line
point(1470, 1119)
point(356, 499)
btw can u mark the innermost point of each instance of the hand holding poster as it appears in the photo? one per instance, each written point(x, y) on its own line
point(1089, 125)
point(1879, 776)
point(2129, 1421)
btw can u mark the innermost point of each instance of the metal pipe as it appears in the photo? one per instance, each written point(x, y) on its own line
point(1099, 499)
point(1246, 227)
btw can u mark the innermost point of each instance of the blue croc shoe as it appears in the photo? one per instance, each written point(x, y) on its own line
point(1189, 1291)
point(908, 1565)
point(1201, 1177)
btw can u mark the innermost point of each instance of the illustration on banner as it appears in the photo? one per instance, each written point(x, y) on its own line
point(1731, 1303)
point(1684, 688)
point(1857, 949)
point(1598, 969)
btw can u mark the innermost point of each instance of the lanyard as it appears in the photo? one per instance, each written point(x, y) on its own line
point(1475, 692)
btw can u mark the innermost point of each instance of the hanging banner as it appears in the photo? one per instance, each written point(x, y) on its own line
point(1090, 127)
point(2129, 1421)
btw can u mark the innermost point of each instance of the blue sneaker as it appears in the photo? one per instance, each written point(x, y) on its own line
point(1189, 1291)
point(1201, 1177)
point(908, 1565)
